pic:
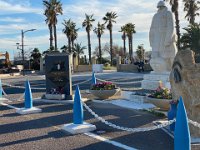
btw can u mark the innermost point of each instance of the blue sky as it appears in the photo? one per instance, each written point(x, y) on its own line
point(16, 15)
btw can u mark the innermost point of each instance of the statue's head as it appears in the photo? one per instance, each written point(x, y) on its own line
point(161, 4)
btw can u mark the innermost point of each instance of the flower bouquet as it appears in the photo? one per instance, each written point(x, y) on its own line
point(104, 90)
point(58, 90)
point(55, 93)
point(161, 93)
point(160, 97)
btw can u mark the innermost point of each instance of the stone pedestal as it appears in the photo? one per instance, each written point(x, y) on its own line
point(32, 110)
point(151, 81)
point(78, 128)
point(55, 96)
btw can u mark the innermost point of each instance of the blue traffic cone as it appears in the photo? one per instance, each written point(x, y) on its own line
point(1, 89)
point(182, 133)
point(94, 80)
point(78, 107)
point(28, 96)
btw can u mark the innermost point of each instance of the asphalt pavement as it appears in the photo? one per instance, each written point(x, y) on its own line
point(42, 131)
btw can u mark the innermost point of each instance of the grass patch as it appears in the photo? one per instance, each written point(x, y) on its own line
point(154, 112)
point(109, 68)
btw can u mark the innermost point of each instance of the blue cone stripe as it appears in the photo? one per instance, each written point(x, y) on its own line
point(182, 133)
point(77, 108)
point(28, 96)
point(94, 80)
point(1, 90)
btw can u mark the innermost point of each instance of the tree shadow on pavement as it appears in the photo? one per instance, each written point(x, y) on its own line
point(54, 134)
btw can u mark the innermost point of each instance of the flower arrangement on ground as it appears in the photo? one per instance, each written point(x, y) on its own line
point(58, 90)
point(161, 93)
point(55, 94)
point(103, 86)
point(104, 90)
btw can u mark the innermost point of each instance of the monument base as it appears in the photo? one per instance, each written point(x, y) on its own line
point(151, 81)
point(32, 110)
point(55, 96)
point(60, 97)
point(79, 128)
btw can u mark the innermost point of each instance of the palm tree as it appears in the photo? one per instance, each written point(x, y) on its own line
point(174, 7)
point(74, 35)
point(78, 50)
point(140, 52)
point(191, 38)
point(53, 9)
point(49, 21)
point(123, 30)
point(110, 19)
point(99, 30)
point(70, 32)
point(130, 30)
point(191, 7)
point(35, 55)
point(87, 24)
point(65, 48)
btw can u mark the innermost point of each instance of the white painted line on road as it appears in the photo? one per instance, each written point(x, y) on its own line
point(109, 141)
point(9, 106)
point(164, 129)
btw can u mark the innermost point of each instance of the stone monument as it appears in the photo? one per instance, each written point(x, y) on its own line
point(185, 82)
point(58, 76)
point(162, 39)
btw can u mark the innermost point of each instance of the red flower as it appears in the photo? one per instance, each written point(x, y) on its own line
point(103, 86)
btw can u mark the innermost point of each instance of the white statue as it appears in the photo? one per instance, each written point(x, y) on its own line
point(162, 38)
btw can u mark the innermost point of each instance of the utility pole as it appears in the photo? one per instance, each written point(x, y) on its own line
point(22, 47)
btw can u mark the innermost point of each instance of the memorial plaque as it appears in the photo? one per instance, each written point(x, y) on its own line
point(58, 75)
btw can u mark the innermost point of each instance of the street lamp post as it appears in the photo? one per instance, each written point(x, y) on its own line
point(22, 49)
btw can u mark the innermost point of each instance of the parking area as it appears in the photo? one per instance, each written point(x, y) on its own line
point(43, 130)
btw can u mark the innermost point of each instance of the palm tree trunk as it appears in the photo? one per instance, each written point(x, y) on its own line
point(124, 39)
point(192, 19)
point(89, 47)
point(111, 47)
point(78, 59)
point(131, 47)
point(55, 38)
point(69, 44)
point(100, 58)
point(72, 44)
point(174, 9)
point(129, 44)
point(51, 36)
point(177, 28)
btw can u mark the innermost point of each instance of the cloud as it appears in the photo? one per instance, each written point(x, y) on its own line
point(13, 28)
point(13, 8)
point(20, 2)
point(10, 19)
point(139, 12)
